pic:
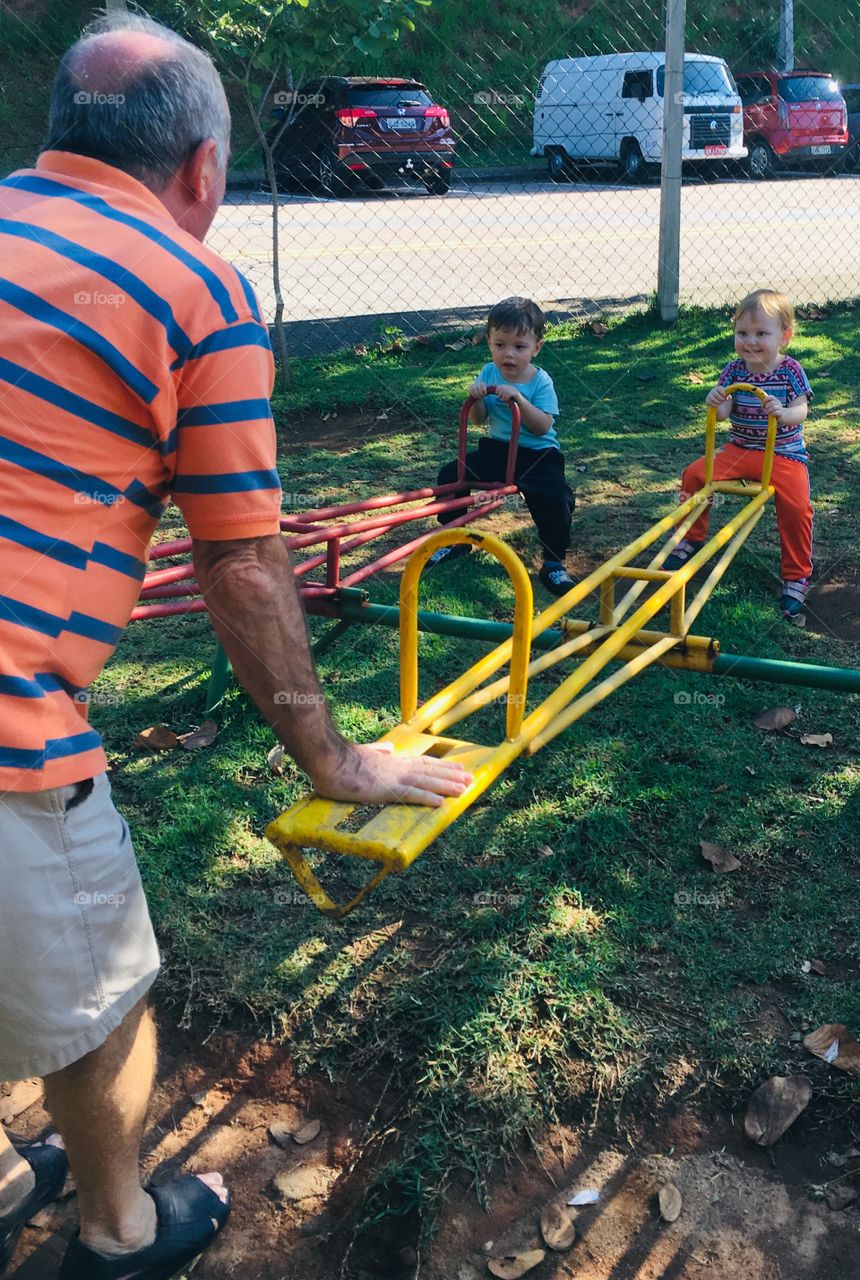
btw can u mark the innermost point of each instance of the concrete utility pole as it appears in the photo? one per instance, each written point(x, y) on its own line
point(669, 261)
point(785, 38)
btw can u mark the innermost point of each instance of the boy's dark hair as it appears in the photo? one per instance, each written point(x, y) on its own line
point(520, 314)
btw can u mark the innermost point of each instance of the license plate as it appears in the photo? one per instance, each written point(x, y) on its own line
point(716, 151)
point(821, 151)
point(408, 122)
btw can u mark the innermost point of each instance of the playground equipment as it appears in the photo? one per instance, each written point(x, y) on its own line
point(174, 590)
point(394, 836)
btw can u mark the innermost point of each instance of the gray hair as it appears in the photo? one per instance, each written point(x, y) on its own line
point(159, 113)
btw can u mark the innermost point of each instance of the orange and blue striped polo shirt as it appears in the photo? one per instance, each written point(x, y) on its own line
point(134, 366)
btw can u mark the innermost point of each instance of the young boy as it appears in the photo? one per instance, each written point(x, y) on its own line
point(515, 330)
point(763, 326)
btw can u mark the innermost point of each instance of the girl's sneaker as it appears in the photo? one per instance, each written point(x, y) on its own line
point(453, 552)
point(681, 554)
point(556, 579)
point(793, 597)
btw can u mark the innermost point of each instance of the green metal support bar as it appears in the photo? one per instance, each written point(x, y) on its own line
point(350, 609)
point(775, 671)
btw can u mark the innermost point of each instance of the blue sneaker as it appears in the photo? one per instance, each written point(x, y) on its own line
point(454, 552)
point(681, 554)
point(793, 598)
point(556, 579)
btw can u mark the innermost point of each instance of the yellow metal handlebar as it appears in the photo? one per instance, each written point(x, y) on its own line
point(521, 642)
point(711, 432)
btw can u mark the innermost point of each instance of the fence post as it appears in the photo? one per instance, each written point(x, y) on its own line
point(785, 39)
point(669, 256)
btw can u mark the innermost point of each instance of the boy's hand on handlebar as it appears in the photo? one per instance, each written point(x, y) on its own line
point(507, 394)
point(716, 397)
point(478, 390)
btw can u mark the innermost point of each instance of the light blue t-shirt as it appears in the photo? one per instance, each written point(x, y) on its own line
point(539, 391)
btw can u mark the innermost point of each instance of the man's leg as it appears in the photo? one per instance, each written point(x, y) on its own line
point(99, 1104)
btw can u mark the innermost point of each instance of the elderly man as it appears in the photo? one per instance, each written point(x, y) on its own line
point(134, 366)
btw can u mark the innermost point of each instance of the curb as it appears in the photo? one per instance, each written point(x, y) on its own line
point(251, 179)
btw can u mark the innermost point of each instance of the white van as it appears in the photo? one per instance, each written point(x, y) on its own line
point(609, 110)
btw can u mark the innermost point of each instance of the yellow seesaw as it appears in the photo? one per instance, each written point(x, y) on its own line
point(396, 834)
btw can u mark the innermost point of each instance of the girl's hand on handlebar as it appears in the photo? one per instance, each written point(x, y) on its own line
point(716, 397)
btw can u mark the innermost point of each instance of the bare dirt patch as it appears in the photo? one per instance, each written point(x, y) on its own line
point(746, 1212)
point(833, 608)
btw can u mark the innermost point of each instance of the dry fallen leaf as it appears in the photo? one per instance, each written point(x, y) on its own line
point(544, 851)
point(456, 346)
point(839, 1197)
point(514, 1265)
point(20, 1096)
point(478, 337)
point(360, 350)
point(557, 1227)
point(307, 1132)
point(275, 759)
point(835, 1044)
point(599, 329)
point(280, 1133)
point(775, 718)
point(671, 1203)
point(590, 1195)
point(814, 966)
point(720, 859)
point(202, 737)
point(381, 417)
point(157, 738)
point(816, 739)
point(724, 786)
point(774, 1107)
point(695, 378)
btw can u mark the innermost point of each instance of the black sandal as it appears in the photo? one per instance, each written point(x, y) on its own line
point(50, 1164)
point(185, 1208)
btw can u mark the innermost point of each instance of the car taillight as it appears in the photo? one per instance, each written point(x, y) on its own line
point(350, 116)
point(440, 114)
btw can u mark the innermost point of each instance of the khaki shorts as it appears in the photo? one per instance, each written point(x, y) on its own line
point(77, 950)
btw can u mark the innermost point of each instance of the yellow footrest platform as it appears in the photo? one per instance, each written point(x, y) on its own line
point(393, 835)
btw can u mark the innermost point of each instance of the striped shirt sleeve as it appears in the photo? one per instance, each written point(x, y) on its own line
point(225, 479)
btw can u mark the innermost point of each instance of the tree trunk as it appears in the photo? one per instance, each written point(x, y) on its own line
point(282, 359)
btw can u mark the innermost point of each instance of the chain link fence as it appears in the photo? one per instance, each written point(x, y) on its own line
point(520, 153)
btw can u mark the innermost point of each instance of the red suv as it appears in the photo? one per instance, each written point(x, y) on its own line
point(791, 115)
point(345, 130)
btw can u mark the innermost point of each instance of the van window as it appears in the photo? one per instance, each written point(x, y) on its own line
point(808, 89)
point(755, 91)
point(701, 77)
point(638, 84)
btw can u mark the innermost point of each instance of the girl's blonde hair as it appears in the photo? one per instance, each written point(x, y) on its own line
point(770, 303)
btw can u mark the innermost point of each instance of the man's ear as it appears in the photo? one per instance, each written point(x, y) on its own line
point(200, 171)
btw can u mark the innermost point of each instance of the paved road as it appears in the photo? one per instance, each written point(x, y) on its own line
point(418, 261)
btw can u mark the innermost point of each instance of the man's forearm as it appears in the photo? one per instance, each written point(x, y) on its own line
point(256, 612)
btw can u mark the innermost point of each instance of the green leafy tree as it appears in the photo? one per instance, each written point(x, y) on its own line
point(267, 50)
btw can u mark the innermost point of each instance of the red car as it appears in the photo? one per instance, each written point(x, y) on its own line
point(343, 131)
point(791, 116)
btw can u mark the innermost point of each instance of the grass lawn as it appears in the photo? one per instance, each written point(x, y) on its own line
point(611, 960)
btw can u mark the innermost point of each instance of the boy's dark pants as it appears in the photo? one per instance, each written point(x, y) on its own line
point(539, 475)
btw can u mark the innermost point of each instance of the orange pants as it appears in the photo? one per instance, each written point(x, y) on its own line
point(790, 480)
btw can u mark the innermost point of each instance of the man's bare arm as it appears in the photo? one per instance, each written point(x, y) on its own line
point(254, 605)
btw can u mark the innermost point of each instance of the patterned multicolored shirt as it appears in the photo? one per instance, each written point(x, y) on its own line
point(786, 383)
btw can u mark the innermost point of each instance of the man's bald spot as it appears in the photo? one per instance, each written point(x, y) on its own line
point(111, 60)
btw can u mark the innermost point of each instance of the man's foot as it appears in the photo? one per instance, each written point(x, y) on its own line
point(793, 597)
point(454, 552)
point(679, 557)
point(555, 578)
point(190, 1212)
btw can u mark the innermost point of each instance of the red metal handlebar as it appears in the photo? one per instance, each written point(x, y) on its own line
point(512, 447)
